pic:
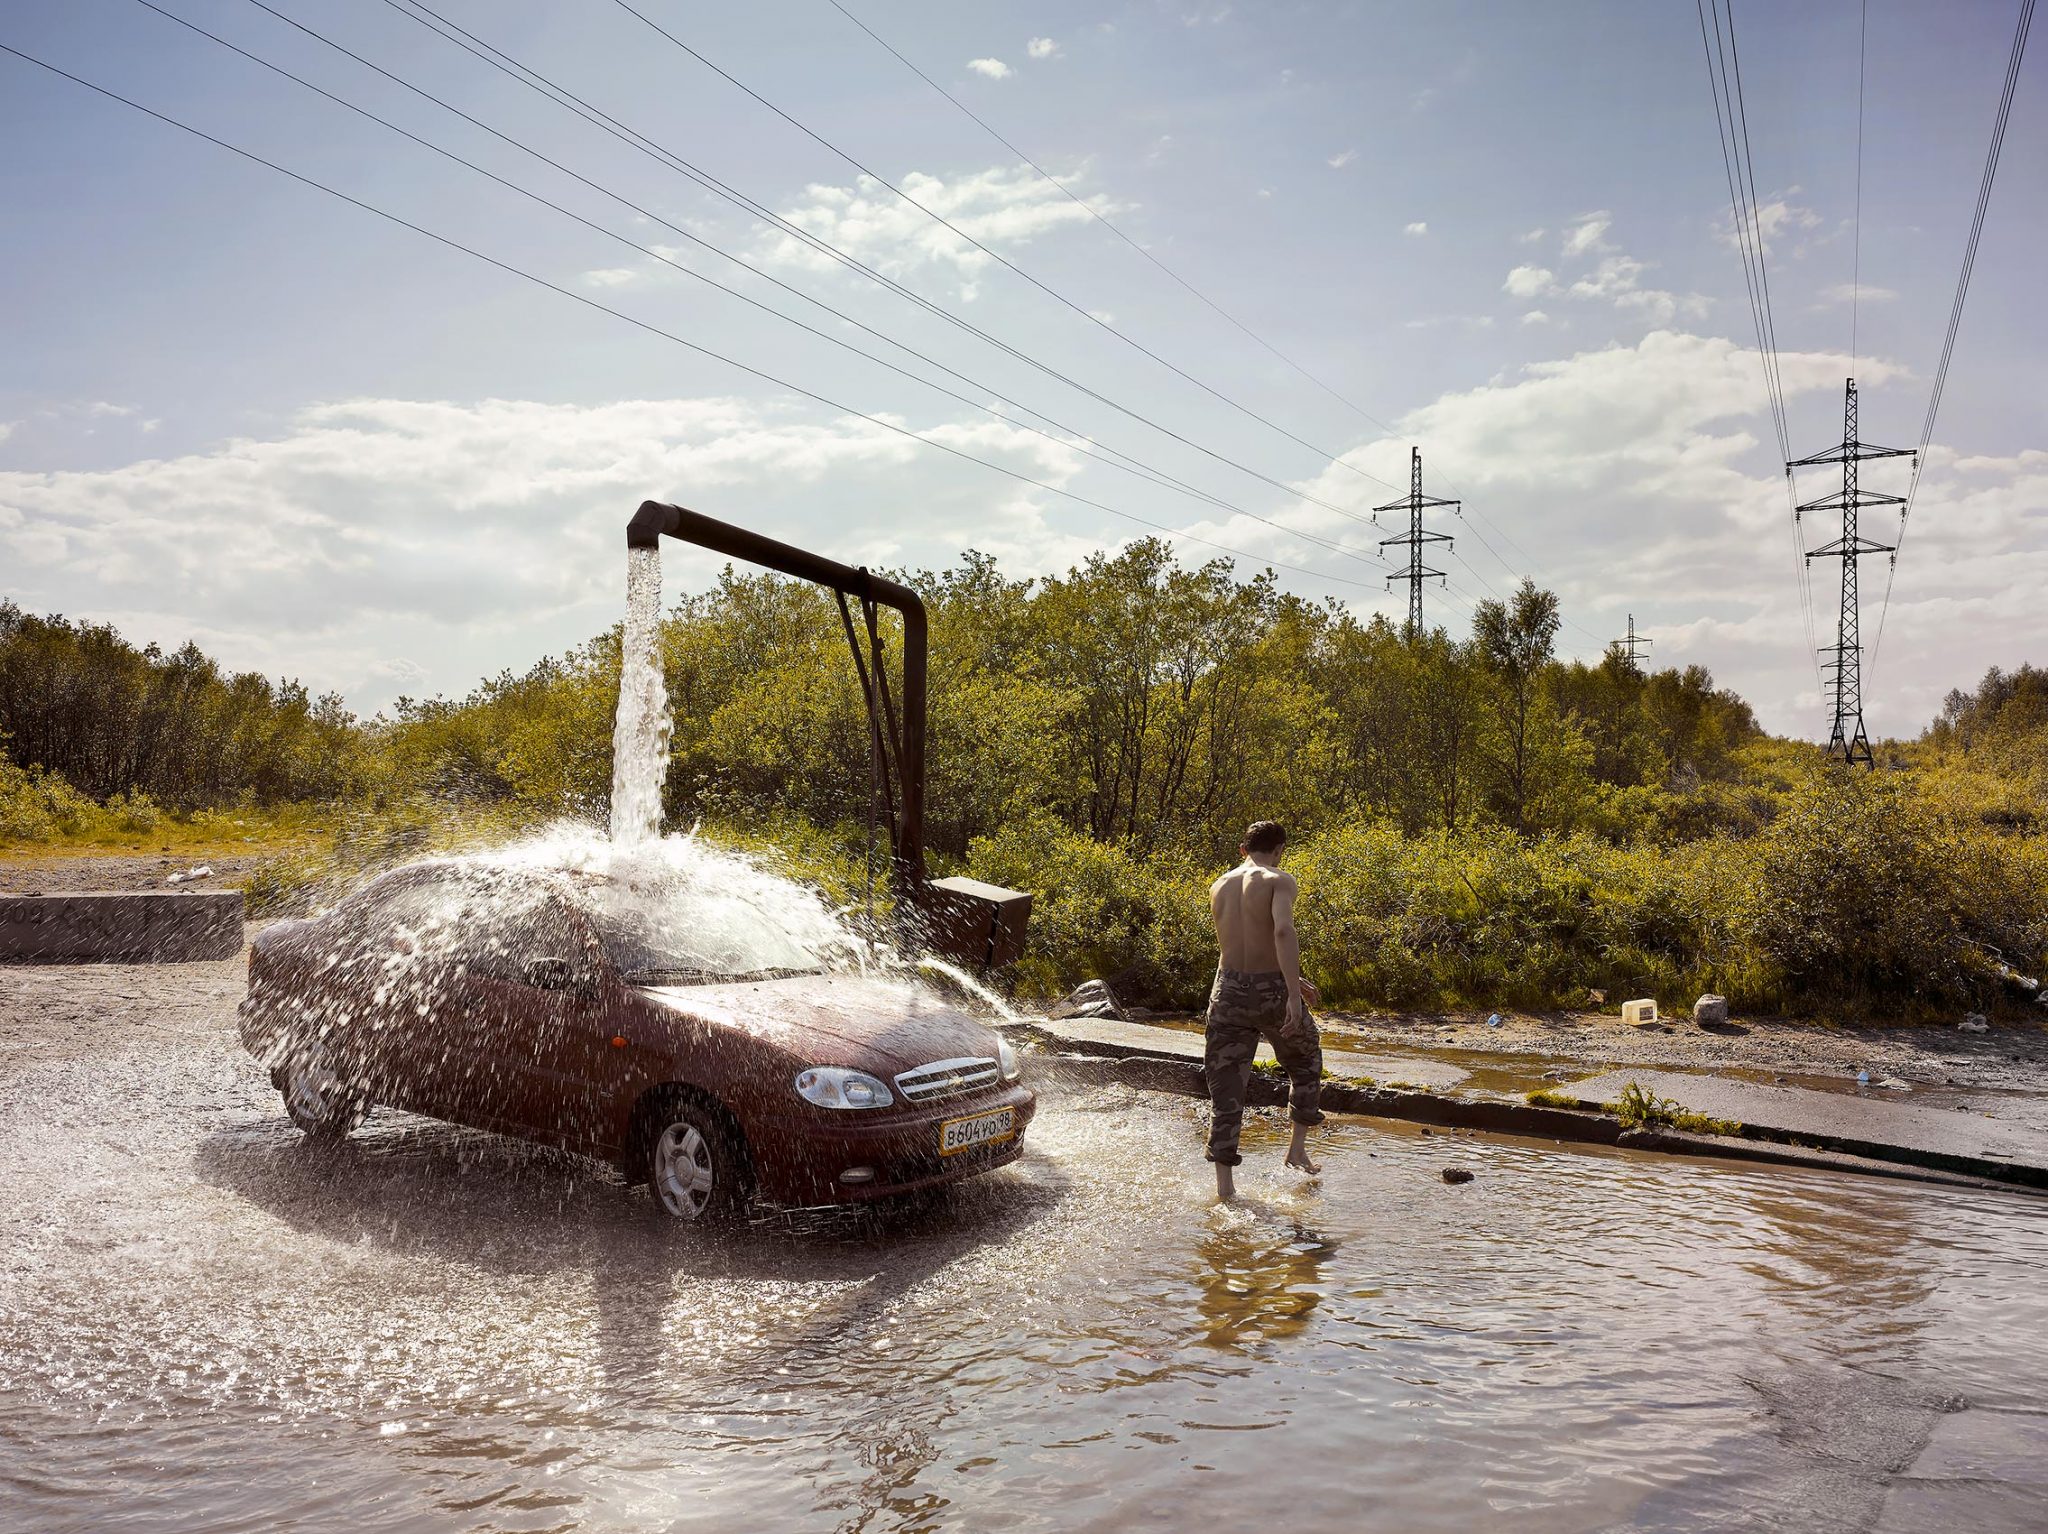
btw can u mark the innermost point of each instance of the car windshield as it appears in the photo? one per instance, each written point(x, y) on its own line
point(660, 932)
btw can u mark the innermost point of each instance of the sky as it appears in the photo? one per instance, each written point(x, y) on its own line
point(237, 409)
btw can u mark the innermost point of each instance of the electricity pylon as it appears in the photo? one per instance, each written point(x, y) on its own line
point(1627, 648)
point(1413, 540)
point(1846, 739)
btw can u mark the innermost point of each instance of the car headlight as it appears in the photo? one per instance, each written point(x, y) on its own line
point(834, 1086)
point(1007, 1058)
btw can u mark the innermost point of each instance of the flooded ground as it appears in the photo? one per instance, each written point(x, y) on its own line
point(205, 1323)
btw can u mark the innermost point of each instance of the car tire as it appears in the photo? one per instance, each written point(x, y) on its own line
point(695, 1163)
point(319, 1102)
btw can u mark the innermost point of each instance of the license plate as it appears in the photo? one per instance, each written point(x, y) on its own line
point(956, 1135)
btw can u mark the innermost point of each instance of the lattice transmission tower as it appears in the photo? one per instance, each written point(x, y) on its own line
point(1627, 647)
point(1846, 738)
point(1413, 540)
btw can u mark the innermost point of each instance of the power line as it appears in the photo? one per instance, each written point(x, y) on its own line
point(1104, 220)
point(526, 75)
point(667, 335)
point(1725, 89)
point(994, 255)
point(1134, 466)
point(1955, 313)
point(469, 42)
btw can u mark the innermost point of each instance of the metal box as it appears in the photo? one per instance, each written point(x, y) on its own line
point(973, 923)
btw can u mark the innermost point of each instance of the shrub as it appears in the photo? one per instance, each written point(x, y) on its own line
point(36, 806)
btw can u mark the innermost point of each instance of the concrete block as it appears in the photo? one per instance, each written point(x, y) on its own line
point(143, 927)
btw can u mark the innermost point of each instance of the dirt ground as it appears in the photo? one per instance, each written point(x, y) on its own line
point(63, 873)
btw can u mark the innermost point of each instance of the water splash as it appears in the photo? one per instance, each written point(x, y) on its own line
point(640, 734)
point(681, 902)
point(994, 1000)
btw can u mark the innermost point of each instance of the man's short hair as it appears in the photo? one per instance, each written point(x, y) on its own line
point(1265, 836)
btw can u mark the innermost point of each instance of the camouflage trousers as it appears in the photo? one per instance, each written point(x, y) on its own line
point(1242, 1010)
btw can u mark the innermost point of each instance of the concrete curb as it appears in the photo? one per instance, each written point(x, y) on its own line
point(127, 927)
point(1169, 1070)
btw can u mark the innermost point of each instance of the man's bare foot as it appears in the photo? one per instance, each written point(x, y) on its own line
point(1226, 1185)
point(1297, 1153)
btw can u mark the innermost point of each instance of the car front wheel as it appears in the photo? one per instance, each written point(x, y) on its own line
point(694, 1168)
point(317, 1100)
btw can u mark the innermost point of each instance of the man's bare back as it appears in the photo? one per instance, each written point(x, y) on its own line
point(1241, 902)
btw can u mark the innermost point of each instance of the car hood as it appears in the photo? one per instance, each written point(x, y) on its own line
point(837, 1019)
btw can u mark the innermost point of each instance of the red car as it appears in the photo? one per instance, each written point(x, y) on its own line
point(571, 1010)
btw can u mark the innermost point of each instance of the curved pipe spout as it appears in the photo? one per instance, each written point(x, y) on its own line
point(656, 520)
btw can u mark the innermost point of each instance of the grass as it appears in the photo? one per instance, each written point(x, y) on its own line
point(1545, 1098)
point(1639, 1108)
point(140, 827)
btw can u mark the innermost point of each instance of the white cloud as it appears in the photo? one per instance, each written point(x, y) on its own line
point(1587, 233)
point(1535, 317)
point(1465, 321)
point(1618, 280)
point(7, 429)
point(1342, 158)
point(1532, 236)
point(1042, 48)
point(611, 277)
point(354, 534)
point(1419, 227)
point(1529, 281)
point(1775, 218)
point(1006, 206)
point(995, 69)
point(1265, 193)
point(1846, 292)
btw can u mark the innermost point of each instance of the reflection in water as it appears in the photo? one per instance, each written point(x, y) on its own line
point(1258, 1282)
point(245, 1332)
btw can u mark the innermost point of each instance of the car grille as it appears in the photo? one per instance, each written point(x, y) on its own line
point(946, 1078)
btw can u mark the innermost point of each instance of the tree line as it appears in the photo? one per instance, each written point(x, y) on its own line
point(1476, 820)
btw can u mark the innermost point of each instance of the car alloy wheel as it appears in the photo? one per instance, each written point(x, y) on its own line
point(685, 1171)
point(319, 1101)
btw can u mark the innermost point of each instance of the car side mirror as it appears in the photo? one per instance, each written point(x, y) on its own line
point(550, 974)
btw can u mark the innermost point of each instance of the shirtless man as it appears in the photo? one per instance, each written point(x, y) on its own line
point(1259, 993)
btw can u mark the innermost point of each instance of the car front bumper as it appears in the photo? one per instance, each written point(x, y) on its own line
point(800, 1159)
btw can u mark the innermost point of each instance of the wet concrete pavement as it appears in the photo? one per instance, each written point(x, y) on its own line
point(1878, 1125)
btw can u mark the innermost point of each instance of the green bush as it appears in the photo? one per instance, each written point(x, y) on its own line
point(36, 806)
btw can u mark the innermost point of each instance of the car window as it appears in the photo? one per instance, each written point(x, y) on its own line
point(499, 944)
point(414, 912)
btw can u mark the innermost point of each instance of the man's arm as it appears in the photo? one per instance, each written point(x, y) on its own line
point(1287, 943)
